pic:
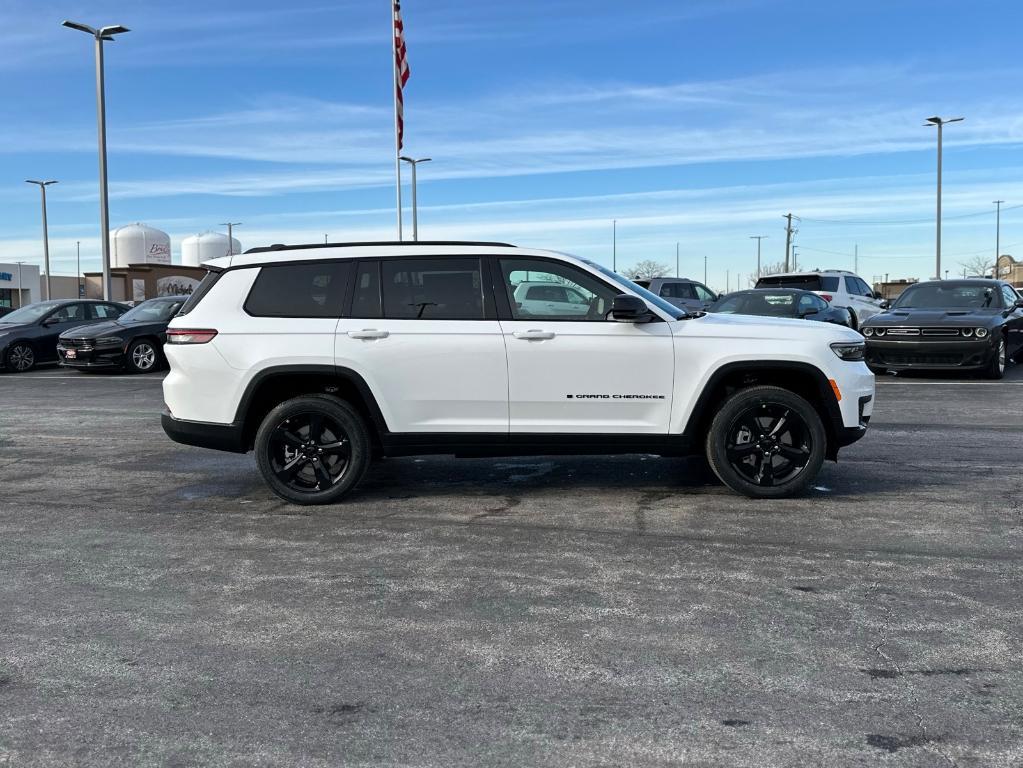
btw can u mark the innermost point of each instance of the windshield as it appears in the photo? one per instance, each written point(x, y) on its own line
point(670, 309)
point(31, 313)
point(152, 311)
point(944, 296)
point(759, 303)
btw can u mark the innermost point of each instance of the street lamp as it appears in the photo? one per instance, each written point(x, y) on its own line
point(101, 35)
point(758, 238)
point(78, 267)
point(230, 235)
point(415, 210)
point(998, 233)
point(46, 235)
point(21, 286)
point(940, 122)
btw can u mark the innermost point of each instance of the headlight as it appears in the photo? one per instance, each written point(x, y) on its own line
point(849, 350)
point(108, 340)
point(879, 331)
point(868, 331)
point(981, 333)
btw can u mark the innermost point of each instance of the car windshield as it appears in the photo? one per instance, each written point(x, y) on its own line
point(152, 311)
point(31, 313)
point(670, 309)
point(763, 303)
point(944, 296)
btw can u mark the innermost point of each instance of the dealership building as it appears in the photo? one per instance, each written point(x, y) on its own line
point(19, 285)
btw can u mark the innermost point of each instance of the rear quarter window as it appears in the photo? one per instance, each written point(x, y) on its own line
point(207, 282)
point(299, 290)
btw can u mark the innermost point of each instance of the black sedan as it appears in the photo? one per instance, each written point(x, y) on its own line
point(781, 302)
point(948, 325)
point(132, 342)
point(28, 335)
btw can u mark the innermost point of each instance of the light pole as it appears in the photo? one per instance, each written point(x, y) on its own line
point(46, 235)
point(940, 122)
point(758, 238)
point(415, 208)
point(676, 260)
point(21, 286)
point(101, 35)
point(230, 235)
point(998, 233)
point(705, 269)
point(78, 266)
point(614, 245)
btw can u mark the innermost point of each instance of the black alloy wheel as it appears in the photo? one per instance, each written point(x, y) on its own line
point(312, 449)
point(995, 368)
point(20, 358)
point(766, 442)
point(142, 356)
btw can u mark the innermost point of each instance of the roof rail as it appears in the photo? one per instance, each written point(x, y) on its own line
point(283, 247)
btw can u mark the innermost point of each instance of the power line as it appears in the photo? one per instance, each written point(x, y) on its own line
point(905, 221)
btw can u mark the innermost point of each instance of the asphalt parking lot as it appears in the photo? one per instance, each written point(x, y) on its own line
point(160, 607)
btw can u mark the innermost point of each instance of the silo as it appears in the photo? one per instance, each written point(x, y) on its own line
point(139, 244)
point(200, 248)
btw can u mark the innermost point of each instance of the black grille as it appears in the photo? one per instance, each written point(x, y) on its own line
point(76, 343)
point(897, 358)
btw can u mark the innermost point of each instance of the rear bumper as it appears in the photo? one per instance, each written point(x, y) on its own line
point(219, 437)
point(905, 355)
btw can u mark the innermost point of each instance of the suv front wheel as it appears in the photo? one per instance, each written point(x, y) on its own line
point(766, 442)
point(313, 449)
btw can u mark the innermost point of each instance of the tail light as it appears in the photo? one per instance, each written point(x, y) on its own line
point(826, 296)
point(190, 335)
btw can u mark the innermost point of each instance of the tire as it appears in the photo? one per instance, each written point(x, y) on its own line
point(995, 369)
point(142, 356)
point(21, 357)
point(297, 463)
point(750, 458)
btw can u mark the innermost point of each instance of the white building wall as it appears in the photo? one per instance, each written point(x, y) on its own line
point(22, 280)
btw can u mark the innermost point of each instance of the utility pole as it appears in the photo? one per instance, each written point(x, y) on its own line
point(705, 269)
point(758, 238)
point(78, 267)
point(230, 235)
point(795, 260)
point(324, 239)
point(856, 258)
point(998, 233)
point(788, 238)
point(676, 260)
point(728, 280)
point(614, 245)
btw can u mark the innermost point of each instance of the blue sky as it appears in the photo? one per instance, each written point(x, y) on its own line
point(690, 121)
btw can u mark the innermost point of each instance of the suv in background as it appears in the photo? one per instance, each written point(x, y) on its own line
point(838, 287)
point(681, 291)
point(322, 357)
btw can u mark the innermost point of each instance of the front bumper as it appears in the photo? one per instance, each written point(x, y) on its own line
point(91, 357)
point(903, 354)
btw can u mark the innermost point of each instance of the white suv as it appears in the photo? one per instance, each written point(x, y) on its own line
point(321, 358)
point(838, 287)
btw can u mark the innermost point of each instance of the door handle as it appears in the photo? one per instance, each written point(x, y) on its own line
point(368, 333)
point(533, 334)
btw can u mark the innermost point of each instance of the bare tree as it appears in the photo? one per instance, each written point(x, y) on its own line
point(767, 269)
point(978, 265)
point(643, 270)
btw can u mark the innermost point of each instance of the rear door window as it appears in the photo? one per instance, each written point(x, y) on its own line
point(432, 289)
point(299, 290)
point(104, 311)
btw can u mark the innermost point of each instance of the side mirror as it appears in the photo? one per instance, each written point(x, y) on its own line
point(49, 321)
point(808, 312)
point(1018, 304)
point(629, 309)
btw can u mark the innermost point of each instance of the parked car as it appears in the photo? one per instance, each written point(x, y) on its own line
point(765, 302)
point(28, 336)
point(542, 299)
point(681, 291)
point(838, 287)
point(133, 342)
point(322, 357)
point(948, 325)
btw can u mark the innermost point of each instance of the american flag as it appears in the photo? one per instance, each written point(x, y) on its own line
point(401, 70)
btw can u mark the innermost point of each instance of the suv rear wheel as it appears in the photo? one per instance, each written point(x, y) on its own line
point(766, 442)
point(312, 449)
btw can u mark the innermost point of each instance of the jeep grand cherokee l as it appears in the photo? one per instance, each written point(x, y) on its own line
point(322, 357)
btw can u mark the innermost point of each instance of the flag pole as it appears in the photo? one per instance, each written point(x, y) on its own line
point(394, 93)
